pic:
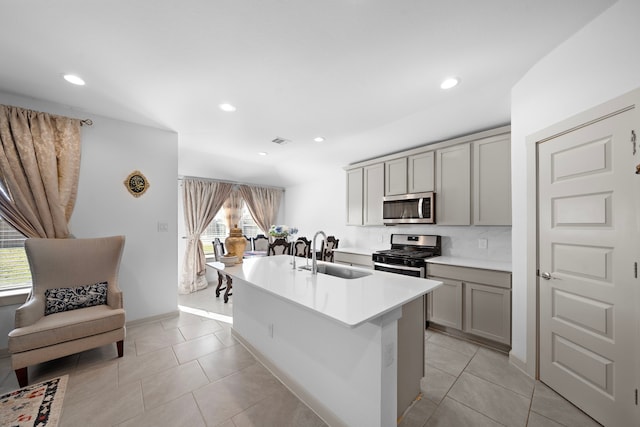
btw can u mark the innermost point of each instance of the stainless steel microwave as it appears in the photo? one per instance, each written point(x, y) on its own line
point(418, 208)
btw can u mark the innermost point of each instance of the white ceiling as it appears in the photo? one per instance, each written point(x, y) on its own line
point(364, 74)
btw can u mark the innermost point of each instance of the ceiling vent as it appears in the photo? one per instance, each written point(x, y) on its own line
point(280, 141)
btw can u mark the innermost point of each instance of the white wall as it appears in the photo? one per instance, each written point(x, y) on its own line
point(598, 63)
point(111, 150)
point(321, 205)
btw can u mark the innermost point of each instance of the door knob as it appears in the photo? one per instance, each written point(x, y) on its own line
point(546, 276)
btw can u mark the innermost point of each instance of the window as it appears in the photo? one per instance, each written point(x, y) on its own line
point(14, 267)
point(219, 229)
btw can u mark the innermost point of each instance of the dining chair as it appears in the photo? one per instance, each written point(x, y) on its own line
point(329, 246)
point(260, 243)
point(278, 247)
point(249, 245)
point(302, 247)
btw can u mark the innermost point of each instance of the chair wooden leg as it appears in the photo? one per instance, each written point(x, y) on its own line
point(227, 292)
point(22, 376)
point(120, 345)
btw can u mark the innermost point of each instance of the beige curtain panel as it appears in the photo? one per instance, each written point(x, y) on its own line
point(263, 204)
point(202, 200)
point(39, 170)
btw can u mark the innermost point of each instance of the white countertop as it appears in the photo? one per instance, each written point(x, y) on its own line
point(348, 301)
point(473, 263)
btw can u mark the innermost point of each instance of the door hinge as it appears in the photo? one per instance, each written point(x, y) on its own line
point(635, 270)
point(636, 397)
point(633, 141)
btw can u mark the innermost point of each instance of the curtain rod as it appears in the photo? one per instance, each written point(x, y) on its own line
point(85, 122)
point(182, 177)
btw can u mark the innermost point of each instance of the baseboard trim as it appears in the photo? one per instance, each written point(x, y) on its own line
point(320, 409)
point(155, 318)
point(520, 364)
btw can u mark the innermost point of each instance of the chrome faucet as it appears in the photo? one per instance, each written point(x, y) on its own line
point(314, 257)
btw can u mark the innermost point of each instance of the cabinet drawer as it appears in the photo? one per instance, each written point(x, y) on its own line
point(357, 260)
point(466, 274)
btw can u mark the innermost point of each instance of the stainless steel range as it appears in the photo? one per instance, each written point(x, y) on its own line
point(408, 254)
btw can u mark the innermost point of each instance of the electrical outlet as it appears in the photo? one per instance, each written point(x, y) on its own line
point(482, 243)
point(163, 227)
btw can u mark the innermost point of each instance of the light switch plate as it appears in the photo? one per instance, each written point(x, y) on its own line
point(482, 243)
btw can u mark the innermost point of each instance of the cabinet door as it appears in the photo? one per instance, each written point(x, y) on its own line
point(373, 194)
point(487, 312)
point(445, 303)
point(492, 181)
point(395, 181)
point(453, 185)
point(355, 196)
point(420, 172)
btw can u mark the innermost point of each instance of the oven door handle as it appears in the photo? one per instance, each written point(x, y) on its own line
point(397, 267)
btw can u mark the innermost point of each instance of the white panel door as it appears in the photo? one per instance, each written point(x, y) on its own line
point(587, 252)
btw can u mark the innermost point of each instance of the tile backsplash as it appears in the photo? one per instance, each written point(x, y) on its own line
point(457, 241)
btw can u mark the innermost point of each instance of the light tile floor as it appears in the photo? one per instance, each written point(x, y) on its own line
point(189, 371)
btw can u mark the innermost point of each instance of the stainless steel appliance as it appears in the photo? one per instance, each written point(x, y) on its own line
point(408, 254)
point(418, 208)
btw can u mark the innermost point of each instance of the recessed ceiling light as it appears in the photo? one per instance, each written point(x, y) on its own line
point(318, 139)
point(262, 153)
point(227, 107)
point(449, 82)
point(74, 79)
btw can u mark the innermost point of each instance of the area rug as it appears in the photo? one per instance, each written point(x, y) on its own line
point(34, 405)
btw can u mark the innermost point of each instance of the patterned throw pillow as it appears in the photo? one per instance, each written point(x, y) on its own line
point(65, 299)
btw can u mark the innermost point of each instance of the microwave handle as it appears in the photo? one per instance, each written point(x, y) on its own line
point(420, 208)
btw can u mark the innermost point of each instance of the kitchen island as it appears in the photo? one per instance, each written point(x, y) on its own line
point(333, 341)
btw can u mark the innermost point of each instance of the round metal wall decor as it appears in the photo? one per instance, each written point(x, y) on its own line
point(136, 183)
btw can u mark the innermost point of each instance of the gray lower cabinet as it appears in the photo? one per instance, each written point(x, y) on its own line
point(445, 303)
point(473, 301)
point(487, 312)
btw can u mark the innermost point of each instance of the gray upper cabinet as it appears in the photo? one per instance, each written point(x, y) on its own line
point(420, 172)
point(492, 181)
point(453, 185)
point(395, 181)
point(355, 196)
point(471, 176)
point(373, 194)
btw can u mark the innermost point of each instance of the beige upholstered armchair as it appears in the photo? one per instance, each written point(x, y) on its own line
point(75, 303)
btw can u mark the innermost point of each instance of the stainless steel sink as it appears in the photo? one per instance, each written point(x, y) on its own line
point(341, 271)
